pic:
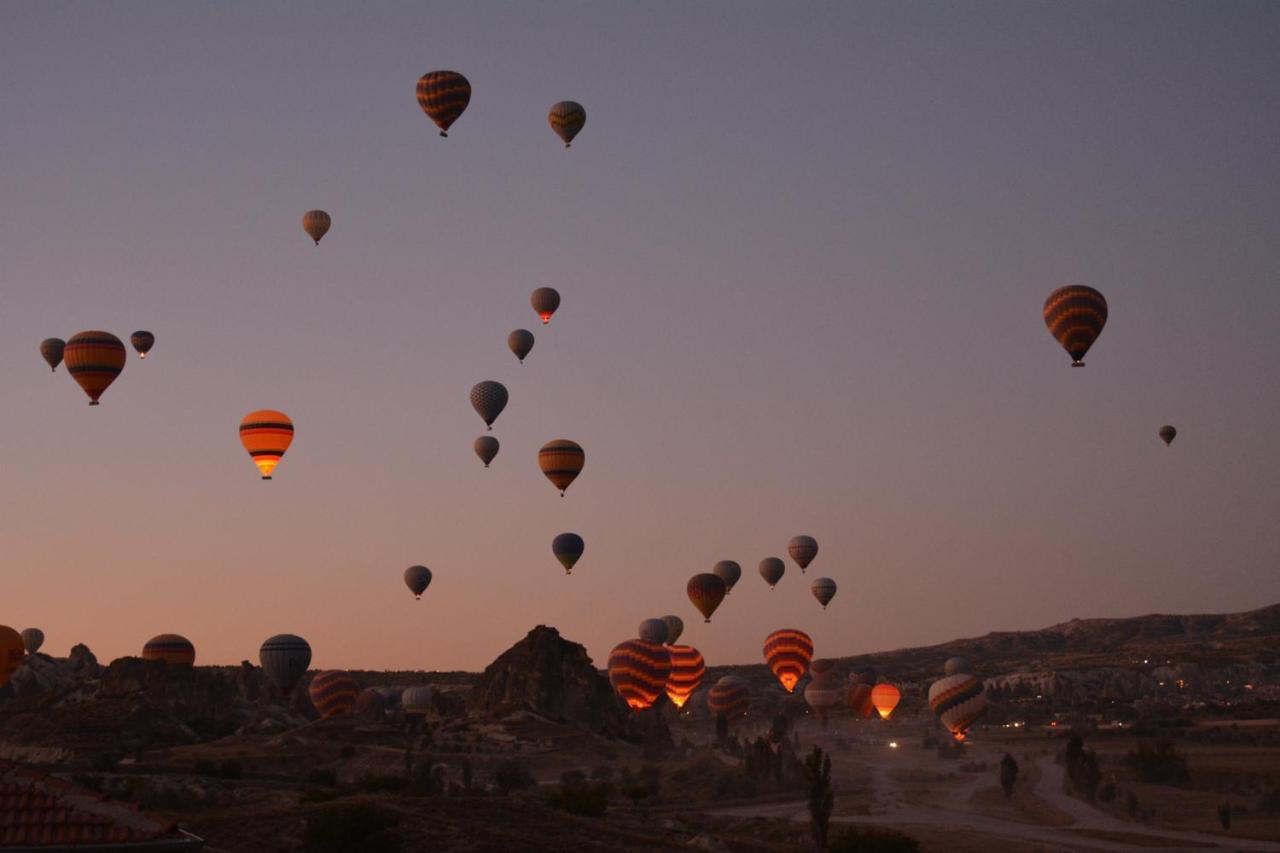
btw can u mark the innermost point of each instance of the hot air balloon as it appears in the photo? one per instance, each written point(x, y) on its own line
point(285, 659)
point(885, 698)
point(370, 704)
point(823, 589)
point(486, 447)
point(12, 651)
point(788, 652)
point(173, 649)
point(866, 675)
point(266, 434)
point(489, 398)
point(417, 578)
point(729, 572)
point(956, 665)
point(860, 698)
point(1168, 434)
point(418, 701)
point(675, 627)
point(333, 693)
point(142, 343)
point(520, 342)
point(958, 701)
point(94, 360)
point(639, 671)
point(729, 697)
point(822, 696)
point(561, 461)
point(32, 640)
point(545, 300)
point(443, 95)
point(568, 548)
point(1075, 315)
point(706, 591)
point(687, 671)
point(51, 351)
point(653, 631)
point(822, 667)
point(802, 549)
point(566, 119)
point(316, 223)
point(771, 569)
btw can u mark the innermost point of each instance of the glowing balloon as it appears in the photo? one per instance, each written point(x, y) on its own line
point(486, 447)
point(823, 589)
point(333, 693)
point(94, 360)
point(729, 572)
point(639, 672)
point(958, 701)
point(788, 652)
point(566, 119)
point(266, 434)
point(142, 343)
point(417, 578)
point(489, 398)
point(568, 548)
point(545, 301)
point(653, 631)
point(706, 591)
point(173, 649)
point(51, 351)
point(520, 342)
point(561, 462)
point(771, 569)
point(284, 659)
point(687, 671)
point(1075, 315)
point(316, 223)
point(443, 95)
point(885, 698)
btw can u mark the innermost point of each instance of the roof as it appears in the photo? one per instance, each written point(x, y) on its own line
point(39, 812)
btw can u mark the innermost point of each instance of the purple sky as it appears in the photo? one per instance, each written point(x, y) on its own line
point(802, 250)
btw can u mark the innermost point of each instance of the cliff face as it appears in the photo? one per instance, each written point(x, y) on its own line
point(551, 676)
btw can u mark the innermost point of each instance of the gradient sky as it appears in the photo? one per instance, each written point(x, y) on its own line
point(803, 251)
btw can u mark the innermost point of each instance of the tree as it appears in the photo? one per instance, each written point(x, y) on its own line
point(822, 800)
point(722, 729)
point(1224, 815)
point(1008, 773)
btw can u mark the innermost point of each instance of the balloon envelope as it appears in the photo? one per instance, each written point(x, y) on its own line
point(566, 119)
point(860, 699)
point(142, 342)
point(316, 223)
point(885, 698)
point(687, 671)
point(545, 301)
point(266, 434)
point(823, 589)
point(729, 572)
point(803, 549)
point(675, 627)
point(639, 672)
point(520, 342)
point(443, 96)
point(653, 631)
point(956, 665)
point(1168, 434)
point(32, 640)
point(772, 569)
point(417, 578)
point(1075, 315)
point(706, 591)
point(729, 697)
point(822, 696)
point(173, 649)
point(333, 693)
point(788, 652)
point(489, 398)
point(486, 447)
point(418, 701)
point(12, 651)
point(568, 549)
point(284, 659)
point(94, 360)
point(561, 462)
point(51, 351)
point(958, 701)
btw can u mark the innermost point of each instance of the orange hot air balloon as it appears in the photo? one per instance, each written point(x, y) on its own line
point(687, 671)
point(1075, 315)
point(317, 224)
point(561, 461)
point(639, 671)
point(885, 697)
point(173, 649)
point(266, 434)
point(443, 95)
point(94, 360)
point(706, 591)
point(12, 651)
point(333, 693)
point(788, 652)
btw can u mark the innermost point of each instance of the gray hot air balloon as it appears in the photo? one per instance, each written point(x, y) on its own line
point(520, 342)
point(51, 351)
point(956, 666)
point(285, 659)
point(417, 578)
point(418, 701)
point(653, 631)
point(32, 639)
point(545, 300)
point(823, 589)
point(772, 569)
point(729, 572)
point(1168, 434)
point(675, 627)
point(802, 549)
point(486, 447)
point(489, 398)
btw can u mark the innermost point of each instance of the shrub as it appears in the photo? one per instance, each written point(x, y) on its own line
point(817, 776)
point(511, 775)
point(586, 800)
point(1108, 793)
point(866, 839)
point(1008, 774)
point(355, 828)
point(1160, 763)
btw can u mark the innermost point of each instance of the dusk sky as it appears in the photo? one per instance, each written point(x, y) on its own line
point(802, 250)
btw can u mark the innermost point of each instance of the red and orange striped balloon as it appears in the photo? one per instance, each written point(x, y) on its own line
point(729, 697)
point(788, 652)
point(443, 95)
point(173, 649)
point(561, 462)
point(333, 692)
point(860, 701)
point(687, 671)
point(94, 360)
point(566, 119)
point(706, 591)
point(266, 434)
point(1075, 315)
point(639, 672)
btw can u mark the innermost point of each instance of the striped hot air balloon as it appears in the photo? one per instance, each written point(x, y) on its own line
point(561, 462)
point(486, 447)
point(12, 651)
point(802, 549)
point(266, 434)
point(823, 589)
point(284, 659)
point(772, 569)
point(860, 697)
point(333, 692)
point(316, 223)
point(639, 672)
point(788, 652)
point(730, 697)
point(675, 627)
point(443, 95)
point(729, 572)
point(568, 548)
point(418, 701)
point(706, 591)
point(371, 704)
point(1075, 315)
point(417, 578)
point(520, 342)
point(51, 351)
point(32, 640)
point(94, 360)
point(653, 631)
point(687, 671)
point(958, 701)
point(822, 695)
point(489, 398)
point(173, 649)
point(566, 119)
point(545, 301)
point(885, 698)
point(142, 343)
